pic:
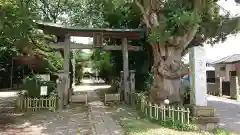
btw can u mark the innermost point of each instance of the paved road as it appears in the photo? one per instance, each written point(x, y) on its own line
point(229, 112)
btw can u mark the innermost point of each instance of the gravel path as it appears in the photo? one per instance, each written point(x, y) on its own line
point(229, 112)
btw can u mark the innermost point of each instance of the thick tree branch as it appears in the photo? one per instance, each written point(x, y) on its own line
point(188, 37)
point(144, 13)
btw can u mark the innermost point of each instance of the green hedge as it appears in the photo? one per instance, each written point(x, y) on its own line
point(33, 86)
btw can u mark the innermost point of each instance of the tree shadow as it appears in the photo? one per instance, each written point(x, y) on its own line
point(9, 116)
point(72, 120)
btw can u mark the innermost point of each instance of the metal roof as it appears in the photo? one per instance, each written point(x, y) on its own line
point(229, 59)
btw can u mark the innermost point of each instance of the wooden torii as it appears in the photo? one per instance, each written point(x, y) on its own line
point(63, 34)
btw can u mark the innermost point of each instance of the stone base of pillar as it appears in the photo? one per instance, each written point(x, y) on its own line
point(205, 117)
point(70, 94)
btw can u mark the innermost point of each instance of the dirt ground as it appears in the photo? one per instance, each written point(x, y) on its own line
point(71, 121)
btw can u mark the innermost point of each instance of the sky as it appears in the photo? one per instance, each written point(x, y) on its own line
point(232, 44)
point(216, 52)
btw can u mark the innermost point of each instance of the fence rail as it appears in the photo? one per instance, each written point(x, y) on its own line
point(162, 113)
point(34, 104)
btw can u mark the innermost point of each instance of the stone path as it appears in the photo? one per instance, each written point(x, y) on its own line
point(229, 112)
point(102, 123)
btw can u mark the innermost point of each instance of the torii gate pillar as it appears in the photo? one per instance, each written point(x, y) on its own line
point(66, 69)
point(125, 71)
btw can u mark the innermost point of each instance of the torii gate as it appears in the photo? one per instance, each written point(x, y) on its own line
point(64, 33)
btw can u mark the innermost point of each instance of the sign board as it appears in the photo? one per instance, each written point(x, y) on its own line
point(44, 77)
point(98, 39)
point(130, 48)
point(43, 90)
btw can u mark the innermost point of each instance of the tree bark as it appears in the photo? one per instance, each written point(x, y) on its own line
point(167, 68)
point(167, 71)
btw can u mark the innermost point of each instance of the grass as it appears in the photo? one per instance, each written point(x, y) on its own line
point(133, 124)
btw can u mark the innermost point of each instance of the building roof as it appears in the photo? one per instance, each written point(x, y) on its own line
point(229, 59)
point(62, 30)
point(209, 61)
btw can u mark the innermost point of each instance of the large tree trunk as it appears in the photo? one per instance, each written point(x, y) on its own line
point(167, 67)
point(167, 71)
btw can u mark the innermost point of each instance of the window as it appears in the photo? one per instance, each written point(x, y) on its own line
point(232, 73)
point(222, 68)
point(210, 76)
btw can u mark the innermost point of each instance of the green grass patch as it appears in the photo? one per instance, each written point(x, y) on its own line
point(136, 124)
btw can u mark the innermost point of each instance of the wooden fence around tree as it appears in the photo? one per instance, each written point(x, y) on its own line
point(34, 104)
point(162, 113)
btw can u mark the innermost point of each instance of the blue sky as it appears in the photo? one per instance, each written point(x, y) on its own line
point(218, 51)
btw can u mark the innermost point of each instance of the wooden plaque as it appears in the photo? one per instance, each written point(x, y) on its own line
point(98, 39)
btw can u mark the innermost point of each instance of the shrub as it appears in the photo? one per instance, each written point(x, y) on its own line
point(33, 86)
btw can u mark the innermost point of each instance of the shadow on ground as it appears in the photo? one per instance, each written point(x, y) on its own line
point(70, 121)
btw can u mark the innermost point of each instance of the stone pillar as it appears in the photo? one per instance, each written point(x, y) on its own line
point(198, 95)
point(234, 87)
point(61, 82)
point(125, 70)
point(74, 68)
point(219, 85)
point(132, 86)
point(121, 81)
point(121, 87)
point(66, 69)
point(204, 116)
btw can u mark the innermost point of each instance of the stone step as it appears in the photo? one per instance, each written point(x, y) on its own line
point(203, 120)
point(204, 111)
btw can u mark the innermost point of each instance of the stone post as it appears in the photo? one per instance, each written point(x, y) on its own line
point(234, 87)
point(60, 90)
point(198, 83)
point(204, 116)
point(219, 86)
point(125, 70)
point(121, 87)
point(132, 86)
point(74, 68)
point(66, 69)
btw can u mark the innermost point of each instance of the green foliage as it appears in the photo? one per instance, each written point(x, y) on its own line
point(78, 73)
point(174, 23)
point(179, 126)
point(18, 36)
point(220, 131)
point(102, 62)
point(15, 20)
point(33, 86)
